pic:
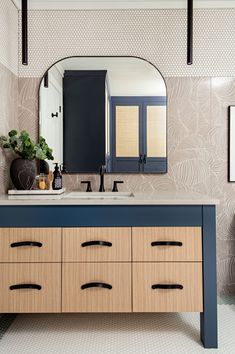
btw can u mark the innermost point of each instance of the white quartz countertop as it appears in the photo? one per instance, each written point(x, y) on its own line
point(148, 198)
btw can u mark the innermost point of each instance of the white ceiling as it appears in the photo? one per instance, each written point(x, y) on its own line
point(126, 76)
point(121, 4)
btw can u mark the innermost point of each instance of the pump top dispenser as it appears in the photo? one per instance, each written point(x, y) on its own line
point(57, 180)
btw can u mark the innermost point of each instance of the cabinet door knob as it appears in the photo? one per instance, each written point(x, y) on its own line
point(96, 243)
point(96, 285)
point(167, 286)
point(26, 243)
point(25, 286)
point(140, 158)
point(166, 243)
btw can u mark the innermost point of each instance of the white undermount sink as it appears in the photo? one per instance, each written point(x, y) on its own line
point(99, 195)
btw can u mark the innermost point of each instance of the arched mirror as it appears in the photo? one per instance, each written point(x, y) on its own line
point(110, 111)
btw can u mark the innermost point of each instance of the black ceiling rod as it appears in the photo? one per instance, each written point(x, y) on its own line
point(190, 32)
point(24, 11)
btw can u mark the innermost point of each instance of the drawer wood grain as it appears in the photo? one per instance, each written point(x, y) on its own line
point(167, 244)
point(31, 299)
point(86, 287)
point(97, 244)
point(149, 280)
point(30, 245)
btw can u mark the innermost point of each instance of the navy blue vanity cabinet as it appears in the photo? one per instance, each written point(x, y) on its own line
point(138, 134)
point(110, 258)
point(84, 120)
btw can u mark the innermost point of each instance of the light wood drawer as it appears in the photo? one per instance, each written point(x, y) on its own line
point(93, 298)
point(187, 299)
point(97, 244)
point(47, 276)
point(30, 245)
point(167, 244)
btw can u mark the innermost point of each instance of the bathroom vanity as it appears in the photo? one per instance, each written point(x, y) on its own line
point(149, 253)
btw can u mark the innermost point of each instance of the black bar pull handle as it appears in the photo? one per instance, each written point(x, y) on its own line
point(167, 286)
point(96, 285)
point(25, 286)
point(166, 243)
point(26, 243)
point(96, 243)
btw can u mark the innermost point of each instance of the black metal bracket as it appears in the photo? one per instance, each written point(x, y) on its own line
point(190, 32)
point(24, 11)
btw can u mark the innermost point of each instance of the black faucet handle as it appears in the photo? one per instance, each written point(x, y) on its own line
point(88, 188)
point(115, 188)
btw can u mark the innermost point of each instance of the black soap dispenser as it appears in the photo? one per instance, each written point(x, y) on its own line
point(57, 180)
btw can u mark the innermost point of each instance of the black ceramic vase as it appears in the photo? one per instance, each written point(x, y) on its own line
point(23, 173)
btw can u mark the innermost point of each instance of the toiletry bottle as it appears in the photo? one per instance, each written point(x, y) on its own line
point(57, 181)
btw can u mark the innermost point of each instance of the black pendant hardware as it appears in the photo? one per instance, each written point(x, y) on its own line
point(167, 286)
point(55, 115)
point(25, 286)
point(24, 11)
point(190, 32)
point(26, 243)
point(46, 80)
point(96, 243)
point(96, 285)
point(166, 243)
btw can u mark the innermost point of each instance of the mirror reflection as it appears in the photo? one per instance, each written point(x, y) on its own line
point(105, 111)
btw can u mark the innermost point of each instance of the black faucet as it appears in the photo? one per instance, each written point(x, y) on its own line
point(102, 172)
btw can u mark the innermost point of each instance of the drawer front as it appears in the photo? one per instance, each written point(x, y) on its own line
point(97, 244)
point(93, 298)
point(27, 300)
point(167, 244)
point(30, 245)
point(158, 299)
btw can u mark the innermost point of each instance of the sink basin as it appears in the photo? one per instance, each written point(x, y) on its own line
point(99, 195)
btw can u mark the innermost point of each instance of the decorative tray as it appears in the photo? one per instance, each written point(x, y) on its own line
point(36, 192)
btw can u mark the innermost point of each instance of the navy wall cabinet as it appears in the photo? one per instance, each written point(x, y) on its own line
point(138, 134)
point(84, 121)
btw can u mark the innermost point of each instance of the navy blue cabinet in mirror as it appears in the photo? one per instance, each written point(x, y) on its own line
point(84, 120)
point(105, 111)
point(138, 125)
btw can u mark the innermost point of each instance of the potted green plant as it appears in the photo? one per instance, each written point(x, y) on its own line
point(23, 168)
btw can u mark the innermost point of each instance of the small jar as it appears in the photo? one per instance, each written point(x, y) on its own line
point(42, 182)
